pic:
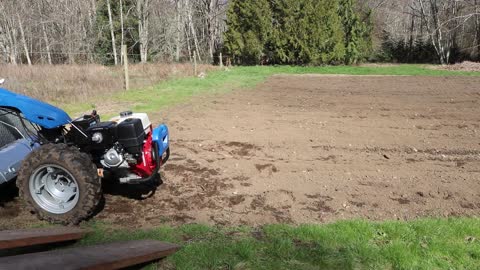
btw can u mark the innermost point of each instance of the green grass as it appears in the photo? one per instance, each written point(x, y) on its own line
point(175, 91)
point(405, 70)
point(423, 244)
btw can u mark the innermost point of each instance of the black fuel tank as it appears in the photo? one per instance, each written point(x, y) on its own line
point(131, 135)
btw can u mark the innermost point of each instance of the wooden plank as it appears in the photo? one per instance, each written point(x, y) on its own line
point(106, 256)
point(31, 237)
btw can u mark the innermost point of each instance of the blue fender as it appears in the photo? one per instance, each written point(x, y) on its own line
point(11, 157)
point(35, 111)
point(160, 136)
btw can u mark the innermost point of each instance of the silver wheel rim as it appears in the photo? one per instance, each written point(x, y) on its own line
point(54, 189)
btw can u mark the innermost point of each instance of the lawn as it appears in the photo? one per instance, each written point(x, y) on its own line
point(422, 244)
point(174, 91)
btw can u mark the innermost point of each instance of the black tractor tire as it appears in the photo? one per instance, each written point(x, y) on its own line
point(78, 165)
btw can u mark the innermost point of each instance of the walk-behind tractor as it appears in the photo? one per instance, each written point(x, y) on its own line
point(59, 163)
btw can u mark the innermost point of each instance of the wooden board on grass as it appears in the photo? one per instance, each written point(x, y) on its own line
point(30, 237)
point(106, 256)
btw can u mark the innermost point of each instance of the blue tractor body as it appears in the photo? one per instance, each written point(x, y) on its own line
point(33, 110)
point(11, 157)
point(52, 155)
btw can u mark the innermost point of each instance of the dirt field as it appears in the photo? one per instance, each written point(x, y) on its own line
point(314, 149)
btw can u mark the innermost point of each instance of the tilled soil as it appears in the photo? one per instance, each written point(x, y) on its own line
point(313, 149)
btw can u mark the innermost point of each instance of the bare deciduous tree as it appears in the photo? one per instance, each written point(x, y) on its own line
point(112, 34)
point(445, 24)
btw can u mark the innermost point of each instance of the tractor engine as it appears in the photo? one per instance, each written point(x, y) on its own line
point(123, 146)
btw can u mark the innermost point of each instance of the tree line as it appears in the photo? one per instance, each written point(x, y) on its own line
point(439, 31)
point(297, 32)
point(93, 31)
point(246, 31)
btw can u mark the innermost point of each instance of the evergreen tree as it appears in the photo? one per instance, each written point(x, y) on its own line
point(249, 29)
point(283, 44)
point(324, 32)
point(299, 32)
point(306, 32)
point(357, 33)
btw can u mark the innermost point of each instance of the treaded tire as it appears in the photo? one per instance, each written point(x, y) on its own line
point(79, 165)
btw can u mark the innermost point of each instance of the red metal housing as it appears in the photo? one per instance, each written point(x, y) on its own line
point(146, 165)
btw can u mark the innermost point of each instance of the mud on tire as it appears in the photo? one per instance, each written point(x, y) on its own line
point(78, 165)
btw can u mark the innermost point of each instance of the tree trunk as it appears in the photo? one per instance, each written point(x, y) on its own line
point(434, 29)
point(92, 15)
point(13, 43)
point(24, 40)
point(410, 42)
point(9, 30)
point(114, 48)
point(477, 26)
point(189, 49)
point(142, 12)
point(123, 33)
point(437, 32)
point(192, 29)
point(47, 44)
point(178, 30)
point(211, 28)
point(44, 35)
point(69, 40)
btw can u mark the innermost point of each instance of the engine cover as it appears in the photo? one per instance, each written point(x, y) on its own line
point(127, 115)
point(107, 131)
point(131, 135)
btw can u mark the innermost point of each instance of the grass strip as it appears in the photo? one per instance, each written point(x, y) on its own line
point(452, 243)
